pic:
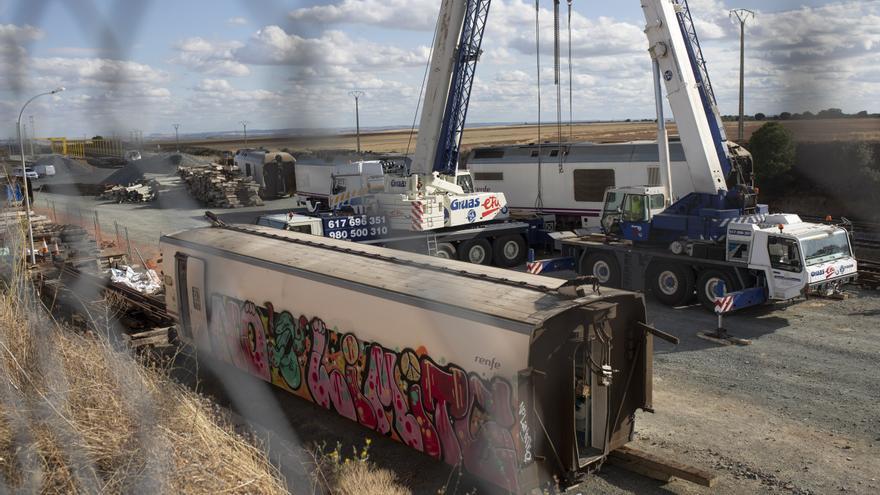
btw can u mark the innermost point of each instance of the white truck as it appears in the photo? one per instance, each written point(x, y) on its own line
point(503, 244)
point(765, 258)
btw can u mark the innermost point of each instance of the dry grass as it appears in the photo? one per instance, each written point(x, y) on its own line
point(77, 416)
point(338, 474)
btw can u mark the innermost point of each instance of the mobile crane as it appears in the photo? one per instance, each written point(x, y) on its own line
point(433, 194)
point(717, 240)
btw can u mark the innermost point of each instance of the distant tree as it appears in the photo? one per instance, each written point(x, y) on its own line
point(98, 138)
point(863, 114)
point(831, 113)
point(773, 150)
point(807, 115)
point(760, 116)
point(785, 116)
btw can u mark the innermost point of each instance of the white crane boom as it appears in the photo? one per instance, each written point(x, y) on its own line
point(443, 60)
point(668, 48)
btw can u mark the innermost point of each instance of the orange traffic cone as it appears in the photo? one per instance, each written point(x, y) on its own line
point(56, 250)
point(44, 249)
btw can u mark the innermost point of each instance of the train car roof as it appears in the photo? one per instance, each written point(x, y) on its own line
point(629, 152)
point(523, 299)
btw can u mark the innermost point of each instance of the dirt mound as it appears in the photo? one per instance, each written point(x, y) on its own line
point(157, 164)
point(66, 166)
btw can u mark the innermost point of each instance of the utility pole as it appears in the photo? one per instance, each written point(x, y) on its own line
point(742, 15)
point(177, 136)
point(357, 116)
point(244, 124)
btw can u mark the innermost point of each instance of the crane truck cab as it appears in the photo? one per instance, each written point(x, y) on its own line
point(795, 257)
point(627, 211)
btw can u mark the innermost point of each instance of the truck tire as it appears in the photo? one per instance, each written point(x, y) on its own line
point(446, 251)
point(476, 251)
point(706, 283)
point(671, 283)
point(509, 250)
point(605, 268)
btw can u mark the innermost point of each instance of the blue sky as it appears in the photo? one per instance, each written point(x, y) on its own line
point(209, 65)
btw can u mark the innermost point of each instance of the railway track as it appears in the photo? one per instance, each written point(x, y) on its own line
point(869, 273)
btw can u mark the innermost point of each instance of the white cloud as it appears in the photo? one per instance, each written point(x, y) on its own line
point(210, 57)
point(398, 14)
point(271, 45)
point(236, 21)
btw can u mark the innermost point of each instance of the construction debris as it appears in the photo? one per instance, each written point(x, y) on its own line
point(145, 283)
point(138, 192)
point(221, 187)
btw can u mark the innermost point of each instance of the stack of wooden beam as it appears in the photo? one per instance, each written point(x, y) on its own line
point(138, 192)
point(220, 187)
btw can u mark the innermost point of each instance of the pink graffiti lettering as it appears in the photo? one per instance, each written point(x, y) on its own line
point(440, 410)
point(253, 341)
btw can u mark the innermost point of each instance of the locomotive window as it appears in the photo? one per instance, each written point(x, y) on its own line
point(489, 176)
point(488, 153)
point(590, 185)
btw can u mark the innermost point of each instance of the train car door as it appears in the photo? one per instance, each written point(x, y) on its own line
point(191, 297)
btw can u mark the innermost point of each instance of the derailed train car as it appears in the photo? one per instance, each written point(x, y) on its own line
point(521, 379)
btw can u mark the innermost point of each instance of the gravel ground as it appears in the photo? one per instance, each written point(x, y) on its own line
point(797, 411)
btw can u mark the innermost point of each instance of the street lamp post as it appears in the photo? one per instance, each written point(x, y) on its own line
point(244, 124)
point(177, 136)
point(357, 116)
point(27, 199)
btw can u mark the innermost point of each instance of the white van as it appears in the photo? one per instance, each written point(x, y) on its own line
point(44, 170)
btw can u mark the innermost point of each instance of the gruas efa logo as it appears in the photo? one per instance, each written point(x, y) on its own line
point(490, 206)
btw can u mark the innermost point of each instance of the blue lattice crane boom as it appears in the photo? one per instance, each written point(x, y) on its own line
point(704, 83)
point(458, 100)
point(435, 194)
point(454, 57)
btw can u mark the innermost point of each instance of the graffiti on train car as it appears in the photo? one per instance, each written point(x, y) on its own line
point(440, 410)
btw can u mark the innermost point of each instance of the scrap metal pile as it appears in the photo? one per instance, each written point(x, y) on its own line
point(139, 192)
point(221, 187)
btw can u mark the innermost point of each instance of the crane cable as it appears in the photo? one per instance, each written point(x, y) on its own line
point(539, 201)
point(557, 80)
point(421, 93)
point(570, 92)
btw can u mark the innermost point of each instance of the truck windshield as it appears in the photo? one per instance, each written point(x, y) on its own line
point(823, 249)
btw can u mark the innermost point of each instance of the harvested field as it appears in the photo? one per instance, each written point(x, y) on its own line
point(398, 140)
